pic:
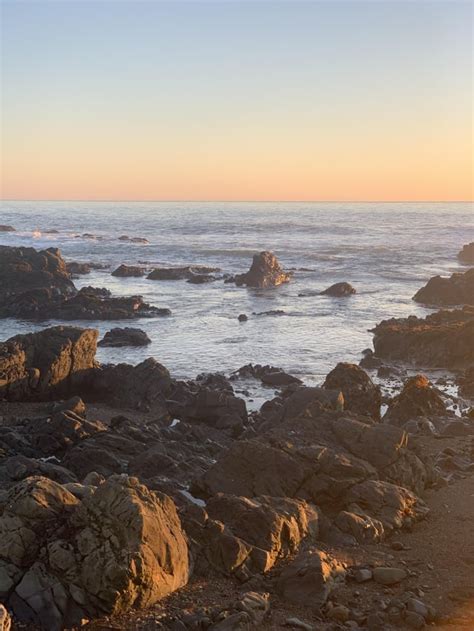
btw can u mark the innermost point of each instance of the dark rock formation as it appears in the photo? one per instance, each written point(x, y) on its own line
point(441, 340)
point(124, 271)
point(418, 398)
point(466, 255)
point(127, 336)
point(51, 363)
point(181, 273)
point(78, 269)
point(265, 272)
point(269, 375)
point(361, 395)
point(458, 289)
point(201, 279)
point(242, 317)
point(339, 290)
point(62, 559)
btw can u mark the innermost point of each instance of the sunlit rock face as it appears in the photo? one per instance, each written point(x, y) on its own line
point(265, 272)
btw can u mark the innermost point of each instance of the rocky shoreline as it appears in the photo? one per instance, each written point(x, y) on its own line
point(123, 489)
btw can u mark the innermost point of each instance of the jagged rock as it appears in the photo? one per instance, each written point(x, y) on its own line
point(458, 289)
point(310, 578)
point(417, 398)
point(127, 336)
point(264, 272)
point(64, 559)
point(361, 395)
point(241, 536)
point(466, 255)
point(29, 279)
point(180, 273)
point(441, 340)
point(339, 290)
point(124, 271)
point(48, 364)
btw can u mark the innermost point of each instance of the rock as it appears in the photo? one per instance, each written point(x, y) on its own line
point(458, 289)
point(361, 395)
point(339, 290)
point(78, 269)
point(126, 271)
point(362, 575)
point(414, 620)
point(5, 619)
point(4, 228)
point(48, 364)
point(389, 575)
point(29, 279)
point(180, 273)
point(376, 621)
point(279, 378)
point(242, 317)
point(310, 578)
point(74, 404)
point(466, 255)
point(466, 383)
point(418, 398)
point(256, 605)
point(339, 613)
point(133, 239)
point(67, 555)
point(298, 624)
point(418, 607)
point(201, 279)
point(441, 340)
point(264, 272)
point(125, 337)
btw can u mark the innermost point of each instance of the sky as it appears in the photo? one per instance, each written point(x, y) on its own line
point(236, 100)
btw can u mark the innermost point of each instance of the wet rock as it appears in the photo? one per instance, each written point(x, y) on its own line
point(361, 395)
point(78, 269)
point(127, 271)
point(133, 239)
point(458, 289)
point(180, 273)
point(201, 279)
point(30, 279)
point(279, 378)
point(124, 337)
point(310, 578)
point(48, 364)
point(466, 255)
point(418, 398)
point(4, 228)
point(441, 340)
point(389, 575)
point(63, 560)
point(264, 272)
point(242, 317)
point(339, 290)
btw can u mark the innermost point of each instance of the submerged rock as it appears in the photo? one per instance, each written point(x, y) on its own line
point(458, 289)
point(339, 290)
point(127, 336)
point(466, 255)
point(125, 271)
point(188, 272)
point(265, 272)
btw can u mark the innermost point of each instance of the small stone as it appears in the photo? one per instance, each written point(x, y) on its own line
point(242, 317)
point(389, 575)
point(340, 613)
point(418, 607)
point(414, 620)
point(398, 546)
point(363, 575)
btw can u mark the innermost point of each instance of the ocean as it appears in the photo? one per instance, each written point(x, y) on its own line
point(385, 250)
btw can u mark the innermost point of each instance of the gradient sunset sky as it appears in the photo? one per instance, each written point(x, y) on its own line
point(231, 100)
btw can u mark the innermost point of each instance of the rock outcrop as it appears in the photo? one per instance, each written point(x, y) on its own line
point(125, 271)
point(466, 255)
point(458, 289)
point(52, 363)
point(339, 290)
point(127, 336)
point(361, 395)
point(78, 269)
point(63, 559)
point(264, 272)
point(441, 340)
point(417, 399)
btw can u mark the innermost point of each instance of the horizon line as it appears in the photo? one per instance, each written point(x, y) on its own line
point(263, 201)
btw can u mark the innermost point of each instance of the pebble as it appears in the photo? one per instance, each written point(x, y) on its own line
point(340, 613)
point(414, 620)
point(362, 575)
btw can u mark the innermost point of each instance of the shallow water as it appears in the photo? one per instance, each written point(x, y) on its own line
point(387, 251)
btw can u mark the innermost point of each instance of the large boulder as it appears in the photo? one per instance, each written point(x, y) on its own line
point(127, 336)
point(418, 398)
point(466, 255)
point(458, 289)
point(361, 395)
point(52, 363)
point(264, 272)
point(29, 276)
point(441, 340)
point(63, 559)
